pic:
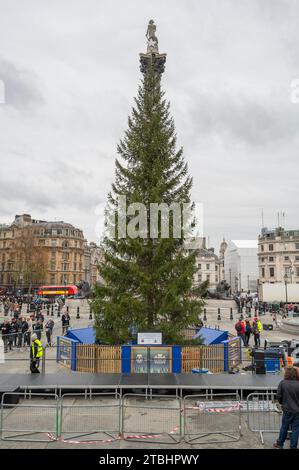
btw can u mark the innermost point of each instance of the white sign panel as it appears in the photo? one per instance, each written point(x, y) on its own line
point(149, 338)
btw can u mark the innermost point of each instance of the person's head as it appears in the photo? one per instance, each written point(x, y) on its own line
point(240, 319)
point(34, 336)
point(290, 373)
point(296, 366)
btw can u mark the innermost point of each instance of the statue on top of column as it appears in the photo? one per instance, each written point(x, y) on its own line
point(152, 40)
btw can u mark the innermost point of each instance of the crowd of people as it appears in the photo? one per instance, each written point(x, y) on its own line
point(17, 329)
point(246, 329)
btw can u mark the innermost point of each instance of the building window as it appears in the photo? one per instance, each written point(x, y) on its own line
point(262, 247)
point(208, 277)
point(208, 267)
point(297, 246)
point(297, 258)
point(199, 277)
point(53, 242)
point(216, 267)
point(271, 247)
point(286, 258)
point(272, 272)
point(216, 278)
point(297, 272)
point(52, 279)
point(75, 266)
point(263, 272)
point(53, 266)
point(271, 259)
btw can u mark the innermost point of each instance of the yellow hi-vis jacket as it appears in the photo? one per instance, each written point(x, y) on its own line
point(259, 326)
point(36, 349)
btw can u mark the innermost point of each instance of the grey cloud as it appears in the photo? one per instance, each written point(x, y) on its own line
point(20, 87)
point(255, 122)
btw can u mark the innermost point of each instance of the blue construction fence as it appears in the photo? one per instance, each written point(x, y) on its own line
point(148, 358)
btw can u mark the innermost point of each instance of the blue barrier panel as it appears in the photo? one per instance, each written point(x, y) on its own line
point(66, 351)
point(176, 359)
point(126, 359)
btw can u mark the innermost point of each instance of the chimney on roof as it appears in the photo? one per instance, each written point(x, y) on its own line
point(24, 219)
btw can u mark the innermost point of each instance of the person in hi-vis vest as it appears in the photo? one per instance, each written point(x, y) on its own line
point(36, 353)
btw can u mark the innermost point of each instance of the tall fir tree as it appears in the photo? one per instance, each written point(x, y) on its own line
point(148, 280)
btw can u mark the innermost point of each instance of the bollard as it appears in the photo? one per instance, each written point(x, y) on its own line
point(58, 311)
point(52, 310)
point(90, 314)
point(78, 313)
point(204, 314)
point(219, 316)
point(231, 314)
point(48, 309)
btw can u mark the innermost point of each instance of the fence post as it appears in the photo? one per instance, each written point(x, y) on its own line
point(90, 312)
point(52, 310)
point(204, 314)
point(44, 361)
point(58, 311)
point(219, 316)
point(78, 313)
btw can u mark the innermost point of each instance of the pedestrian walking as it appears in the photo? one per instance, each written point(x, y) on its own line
point(5, 329)
point(240, 329)
point(256, 330)
point(36, 353)
point(49, 331)
point(65, 319)
point(288, 397)
point(248, 331)
point(38, 328)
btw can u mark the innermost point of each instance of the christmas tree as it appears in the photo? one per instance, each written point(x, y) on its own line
point(147, 271)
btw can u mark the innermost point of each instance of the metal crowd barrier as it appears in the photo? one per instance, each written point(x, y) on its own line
point(92, 417)
point(154, 421)
point(205, 420)
point(27, 421)
point(263, 413)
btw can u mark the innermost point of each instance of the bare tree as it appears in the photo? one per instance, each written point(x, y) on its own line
point(30, 259)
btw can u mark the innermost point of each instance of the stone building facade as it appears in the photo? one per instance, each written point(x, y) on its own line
point(207, 264)
point(57, 246)
point(92, 257)
point(278, 255)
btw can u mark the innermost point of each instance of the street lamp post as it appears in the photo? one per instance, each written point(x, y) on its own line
point(286, 286)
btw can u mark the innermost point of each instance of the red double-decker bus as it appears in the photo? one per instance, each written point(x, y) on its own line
point(52, 291)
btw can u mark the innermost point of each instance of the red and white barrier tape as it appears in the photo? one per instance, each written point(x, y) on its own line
point(105, 441)
point(216, 410)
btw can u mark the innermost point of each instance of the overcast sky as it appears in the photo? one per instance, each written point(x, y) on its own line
point(71, 70)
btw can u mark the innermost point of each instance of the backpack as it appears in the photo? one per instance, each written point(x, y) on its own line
point(238, 327)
